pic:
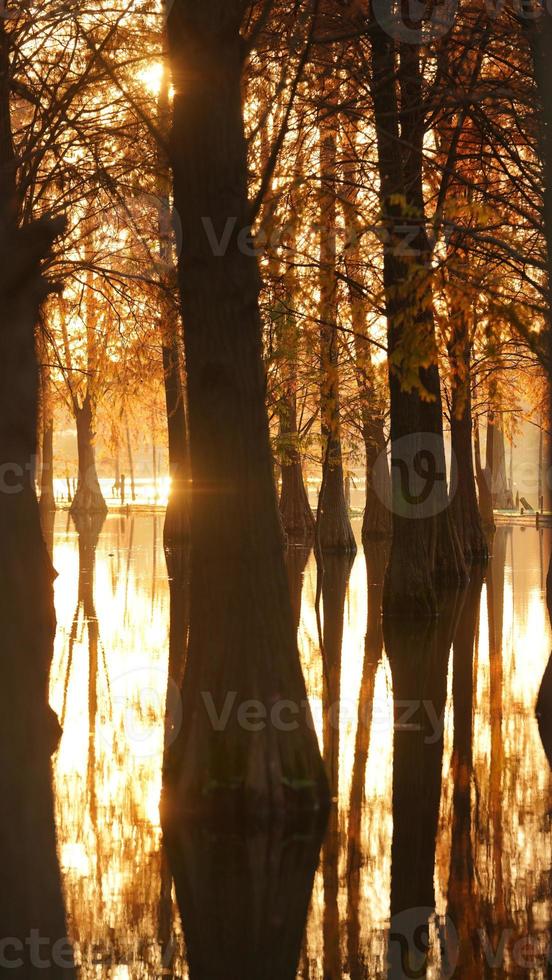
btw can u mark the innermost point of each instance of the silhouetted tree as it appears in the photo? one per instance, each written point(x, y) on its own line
point(241, 626)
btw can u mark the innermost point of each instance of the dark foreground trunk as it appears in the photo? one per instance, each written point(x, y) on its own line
point(31, 901)
point(88, 498)
point(262, 755)
point(30, 890)
point(541, 45)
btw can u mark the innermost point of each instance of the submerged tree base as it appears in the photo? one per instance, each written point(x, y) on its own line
point(89, 524)
point(376, 522)
point(425, 564)
point(295, 510)
point(85, 502)
point(247, 749)
point(238, 806)
point(334, 530)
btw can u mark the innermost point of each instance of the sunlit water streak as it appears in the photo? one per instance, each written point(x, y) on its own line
point(108, 683)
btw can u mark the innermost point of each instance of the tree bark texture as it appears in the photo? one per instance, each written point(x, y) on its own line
point(242, 636)
point(425, 553)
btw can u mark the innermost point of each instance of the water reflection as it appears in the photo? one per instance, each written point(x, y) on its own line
point(33, 936)
point(462, 894)
point(243, 900)
point(376, 560)
point(450, 818)
point(334, 581)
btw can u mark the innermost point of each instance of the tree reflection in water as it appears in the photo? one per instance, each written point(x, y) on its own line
point(33, 933)
point(418, 653)
point(244, 899)
point(461, 819)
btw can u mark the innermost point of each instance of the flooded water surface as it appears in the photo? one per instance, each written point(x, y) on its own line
point(436, 857)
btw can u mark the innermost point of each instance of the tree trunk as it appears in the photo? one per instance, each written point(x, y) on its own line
point(464, 506)
point(425, 552)
point(31, 900)
point(376, 523)
point(540, 30)
point(334, 527)
point(540, 37)
point(47, 495)
point(297, 516)
point(176, 530)
point(483, 487)
point(295, 509)
point(242, 646)
point(88, 498)
point(496, 464)
point(130, 465)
